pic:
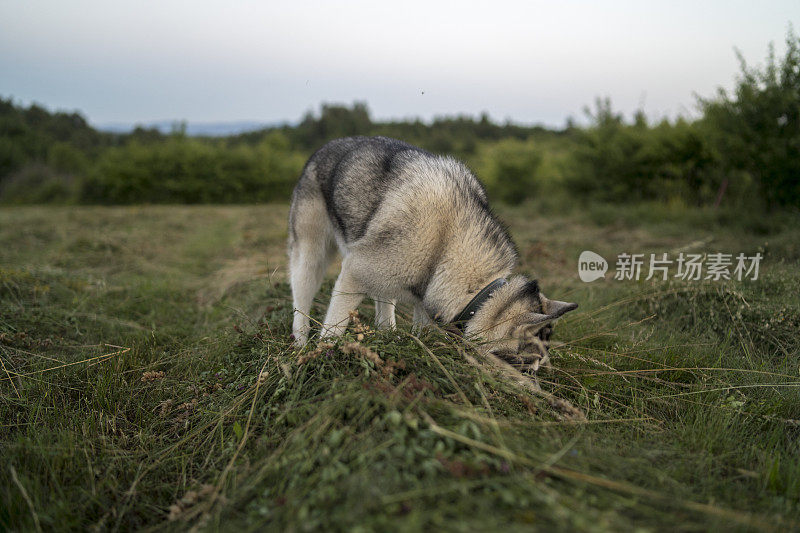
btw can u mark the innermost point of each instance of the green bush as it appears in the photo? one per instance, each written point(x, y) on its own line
point(757, 128)
point(509, 169)
point(12, 156)
point(619, 162)
point(64, 157)
point(185, 170)
point(37, 183)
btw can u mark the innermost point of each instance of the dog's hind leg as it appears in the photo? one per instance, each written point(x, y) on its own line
point(311, 249)
point(384, 314)
point(347, 294)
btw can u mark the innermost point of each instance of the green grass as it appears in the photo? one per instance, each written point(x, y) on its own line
point(691, 391)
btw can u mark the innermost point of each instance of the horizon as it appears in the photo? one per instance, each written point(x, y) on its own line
point(530, 64)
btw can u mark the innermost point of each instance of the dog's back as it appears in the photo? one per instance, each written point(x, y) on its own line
point(355, 176)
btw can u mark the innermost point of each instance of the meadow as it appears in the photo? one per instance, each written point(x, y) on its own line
point(148, 382)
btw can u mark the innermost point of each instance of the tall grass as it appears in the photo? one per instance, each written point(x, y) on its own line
point(148, 381)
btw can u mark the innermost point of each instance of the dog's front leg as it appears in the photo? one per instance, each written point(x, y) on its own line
point(384, 314)
point(347, 294)
point(421, 318)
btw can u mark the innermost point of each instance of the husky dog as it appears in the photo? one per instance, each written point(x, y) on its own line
point(415, 228)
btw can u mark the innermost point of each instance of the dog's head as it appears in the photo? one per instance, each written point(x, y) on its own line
point(516, 323)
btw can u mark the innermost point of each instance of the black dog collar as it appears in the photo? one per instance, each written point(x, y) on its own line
point(460, 321)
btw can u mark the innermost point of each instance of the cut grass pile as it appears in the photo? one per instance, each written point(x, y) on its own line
point(148, 381)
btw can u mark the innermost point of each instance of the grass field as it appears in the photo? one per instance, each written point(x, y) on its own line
point(148, 382)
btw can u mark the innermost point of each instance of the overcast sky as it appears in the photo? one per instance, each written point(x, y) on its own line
point(528, 61)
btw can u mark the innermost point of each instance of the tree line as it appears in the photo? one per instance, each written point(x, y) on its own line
point(742, 150)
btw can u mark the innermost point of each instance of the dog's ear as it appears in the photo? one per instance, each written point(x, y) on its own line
point(534, 319)
point(553, 309)
point(556, 308)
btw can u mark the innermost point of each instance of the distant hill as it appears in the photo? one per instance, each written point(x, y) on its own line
point(195, 129)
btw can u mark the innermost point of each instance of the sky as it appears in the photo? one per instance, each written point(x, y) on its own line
point(120, 61)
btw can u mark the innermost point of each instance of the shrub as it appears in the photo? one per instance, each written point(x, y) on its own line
point(619, 162)
point(183, 170)
point(509, 169)
point(37, 183)
point(757, 128)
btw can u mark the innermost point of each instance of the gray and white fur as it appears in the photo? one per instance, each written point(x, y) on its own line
point(415, 228)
